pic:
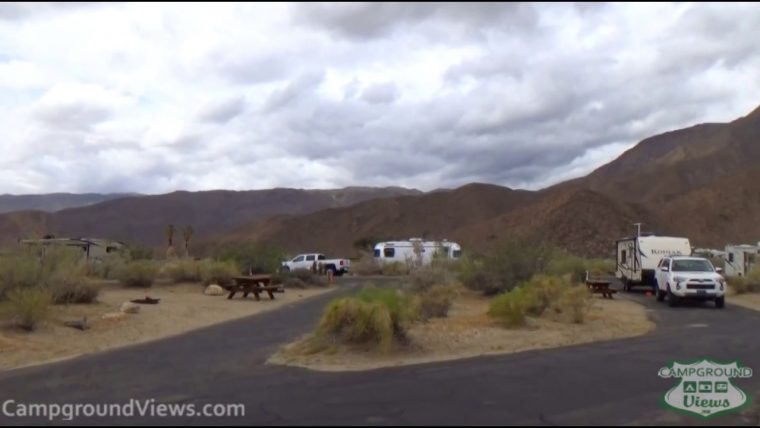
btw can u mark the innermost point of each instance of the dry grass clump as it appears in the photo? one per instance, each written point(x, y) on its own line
point(138, 274)
point(557, 297)
point(27, 308)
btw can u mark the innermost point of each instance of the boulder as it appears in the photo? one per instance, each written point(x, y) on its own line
point(130, 308)
point(214, 290)
point(113, 316)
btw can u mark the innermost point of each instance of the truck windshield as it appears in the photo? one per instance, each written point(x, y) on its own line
point(692, 266)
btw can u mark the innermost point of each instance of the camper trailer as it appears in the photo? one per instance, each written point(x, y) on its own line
point(637, 257)
point(416, 251)
point(740, 259)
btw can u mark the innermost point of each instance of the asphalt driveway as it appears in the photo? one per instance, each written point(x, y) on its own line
point(604, 383)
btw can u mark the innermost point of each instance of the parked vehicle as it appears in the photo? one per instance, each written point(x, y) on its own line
point(680, 278)
point(416, 251)
point(741, 259)
point(638, 257)
point(311, 260)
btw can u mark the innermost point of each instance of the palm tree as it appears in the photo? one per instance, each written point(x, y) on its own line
point(170, 235)
point(187, 233)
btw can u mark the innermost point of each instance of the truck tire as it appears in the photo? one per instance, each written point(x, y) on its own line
point(660, 294)
point(672, 299)
point(285, 269)
point(720, 302)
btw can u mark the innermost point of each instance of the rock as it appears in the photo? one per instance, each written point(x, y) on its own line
point(114, 316)
point(80, 324)
point(214, 290)
point(130, 308)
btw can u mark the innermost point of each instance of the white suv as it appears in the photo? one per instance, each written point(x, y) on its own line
point(681, 277)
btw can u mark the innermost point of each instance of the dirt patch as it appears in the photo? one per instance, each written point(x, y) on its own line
point(748, 300)
point(469, 332)
point(183, 307)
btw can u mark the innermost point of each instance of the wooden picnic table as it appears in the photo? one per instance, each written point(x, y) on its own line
point(253, 284)
point(600, 285)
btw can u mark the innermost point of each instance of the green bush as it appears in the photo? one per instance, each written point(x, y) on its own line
point(253, 257)
point(561, 297)
point(184, 270)
point(218, 272)
point(394, 269)
point(745, 284)
point(138, 274)
point(108, 267)
point(427, 277)
point(137, 252)
point(28, 307)
point(354, 321)
point(300, 278)
point(436, 301)
point(513, 262)
point(378, 316)
point(19, 270)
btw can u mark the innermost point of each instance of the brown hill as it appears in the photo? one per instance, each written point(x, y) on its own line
point(433, 215)
point(701, 182)
point(143, 218)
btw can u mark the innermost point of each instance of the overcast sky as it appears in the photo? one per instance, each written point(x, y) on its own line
point(155, 98)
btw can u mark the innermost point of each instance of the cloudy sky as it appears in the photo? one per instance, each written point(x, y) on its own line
point(153, 98)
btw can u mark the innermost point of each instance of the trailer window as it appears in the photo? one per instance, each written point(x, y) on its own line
point(377, 254)
point(730, 257)
point(623, 257)
point(457, 254)
point(389, 252)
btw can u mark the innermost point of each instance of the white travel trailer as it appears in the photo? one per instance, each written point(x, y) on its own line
point(740, 259)
point(637, 257)
point(415, 251)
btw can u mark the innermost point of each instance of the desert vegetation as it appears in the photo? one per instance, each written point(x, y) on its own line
point(746, 284)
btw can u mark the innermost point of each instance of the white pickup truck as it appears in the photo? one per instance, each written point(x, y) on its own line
point(306, 261)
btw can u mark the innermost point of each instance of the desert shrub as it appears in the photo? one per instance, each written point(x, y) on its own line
point(745, 284)
point(218, 272)
point(511, 263)
point(184, 270)
point(108, 267)
point(560, 297)
point(69, 285)
point(572, 305)
point(252, 257)
point(563, 263)
point(27, 307)
point(427, 277)
point(300, 278)
point(377, 316)
point(138, 274)
point(351, 320)
point(18, 270)
point(367, 265)
point(135, 252)
point(394, 269)
point(436, 301)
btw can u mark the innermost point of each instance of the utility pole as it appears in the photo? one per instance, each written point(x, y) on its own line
point(638, 229)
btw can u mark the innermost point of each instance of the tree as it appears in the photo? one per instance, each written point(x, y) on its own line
point(187, 234)
point(170, 240)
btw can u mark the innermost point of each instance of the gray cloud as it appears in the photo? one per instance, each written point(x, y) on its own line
point(423, 95)
point(223, 111)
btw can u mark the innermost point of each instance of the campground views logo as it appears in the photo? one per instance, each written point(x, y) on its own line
point(705, 388)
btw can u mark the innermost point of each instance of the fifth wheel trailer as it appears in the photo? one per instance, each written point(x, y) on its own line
point(637, 257)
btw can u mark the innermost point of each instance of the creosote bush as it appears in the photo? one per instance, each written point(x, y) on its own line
point(218, 272)
point(138, 274)
point(27, 307)
point(513, 262)
point(184, 270)
point(559, 297)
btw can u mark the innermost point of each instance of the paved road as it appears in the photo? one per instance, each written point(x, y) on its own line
point(605, 383)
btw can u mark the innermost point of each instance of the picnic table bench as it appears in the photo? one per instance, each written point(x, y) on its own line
point(600, 285)
point(253, 284)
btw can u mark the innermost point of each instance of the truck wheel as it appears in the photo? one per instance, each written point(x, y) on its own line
point(285, 269)
point(672, 299)
point(660, 294)
point(720, 302)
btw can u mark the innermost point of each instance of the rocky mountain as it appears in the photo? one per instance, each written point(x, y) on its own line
point(52, 202)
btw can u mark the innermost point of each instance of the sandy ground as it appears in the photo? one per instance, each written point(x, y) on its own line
point(469, 332)
point(183, 307)
point(748, 300)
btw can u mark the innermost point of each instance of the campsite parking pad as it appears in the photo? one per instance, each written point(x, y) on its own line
point(612, 382)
